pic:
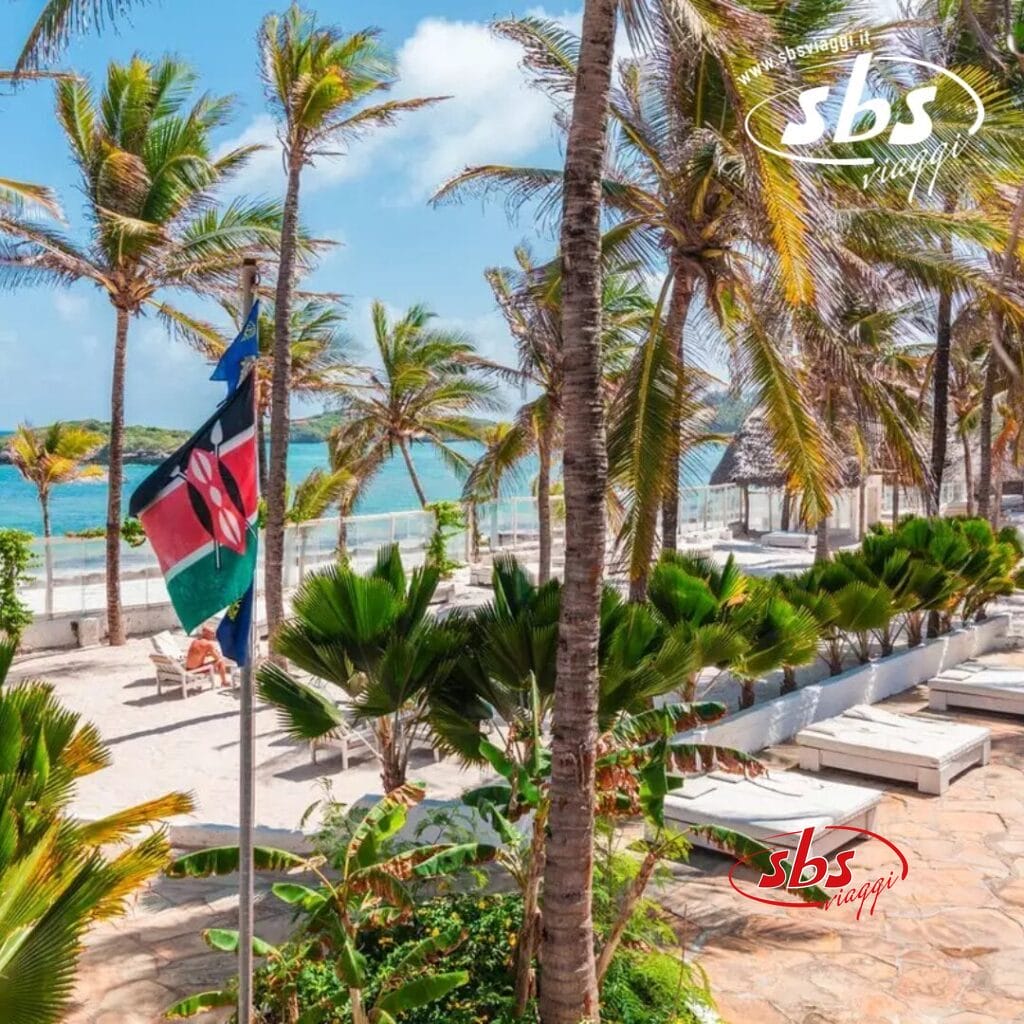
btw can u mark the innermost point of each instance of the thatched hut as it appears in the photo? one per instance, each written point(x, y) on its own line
point(751, 461)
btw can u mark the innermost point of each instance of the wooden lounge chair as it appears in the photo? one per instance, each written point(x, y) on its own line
point(172, 673)
point(775, 806)
point(351, 737)
point(983, 686)
point(907, 748)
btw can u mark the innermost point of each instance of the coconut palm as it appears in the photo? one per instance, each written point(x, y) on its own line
point(318, 356)
point(529, 298)
point(46, 459)
point(145, 158)
point(318, 81)
point(428, 383)
point(58, 874)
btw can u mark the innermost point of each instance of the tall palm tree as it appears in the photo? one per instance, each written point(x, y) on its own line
point(318, 81)
point(530, 299)
point(318, 356)
point(693, 198)
point(150, 181)
point(47, 458)
point(569, 992)
point(427, 385)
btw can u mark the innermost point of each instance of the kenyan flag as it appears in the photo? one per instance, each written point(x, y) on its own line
point(198, 509)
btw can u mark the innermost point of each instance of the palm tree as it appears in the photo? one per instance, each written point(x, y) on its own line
point(569, 992)
point(372, 637)
point(317, 81)
point(144, 154)
point(318, 356)
point(530, 299)
point(310, 500)
point(351, 452)
point(58, 874)
point(427, 385)
point(46, 459)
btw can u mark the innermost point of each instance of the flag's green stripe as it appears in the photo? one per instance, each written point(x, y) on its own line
point(203, 590)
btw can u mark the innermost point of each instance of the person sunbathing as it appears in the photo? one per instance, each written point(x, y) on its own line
point(204, 650)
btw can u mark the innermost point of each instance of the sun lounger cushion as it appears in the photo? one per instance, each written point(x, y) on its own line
point(904, 738)
point(768, 805)
point(987, 687)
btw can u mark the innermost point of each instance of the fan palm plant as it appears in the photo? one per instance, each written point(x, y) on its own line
point(427, 385)
point(371, 637)
point(59, 875)
point(46, 459)
point(144, 154)
point(319, 83)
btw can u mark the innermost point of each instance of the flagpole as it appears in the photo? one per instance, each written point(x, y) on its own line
point(247, 772)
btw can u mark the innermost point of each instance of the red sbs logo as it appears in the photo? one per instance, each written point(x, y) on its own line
point(834, 876)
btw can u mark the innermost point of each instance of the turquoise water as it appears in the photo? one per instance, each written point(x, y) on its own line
point(82, 505)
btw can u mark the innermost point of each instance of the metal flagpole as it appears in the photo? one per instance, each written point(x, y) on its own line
point(246, 781)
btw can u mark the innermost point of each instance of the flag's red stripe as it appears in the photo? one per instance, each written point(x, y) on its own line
point(171, 525)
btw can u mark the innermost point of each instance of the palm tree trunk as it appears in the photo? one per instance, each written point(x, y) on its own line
point(44, 504)
point(544, 500)
point(988, 401)
point(417, 486)
point(675, 324)
point(787, 510)
point(895, 502)
point(569, 992)
point(940, 397)
point(343, 537)
point(115, 482)
point(277, 477)
point(968, 471)
point(261, 450)
point(821, 540)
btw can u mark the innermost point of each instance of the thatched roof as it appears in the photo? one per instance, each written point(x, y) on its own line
point(751, 460)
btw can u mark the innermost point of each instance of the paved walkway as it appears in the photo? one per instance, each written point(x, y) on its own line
point(946, 945)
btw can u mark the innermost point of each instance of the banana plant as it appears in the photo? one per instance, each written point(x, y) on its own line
point(362, 883)
point(59, 875)
point(371, 637)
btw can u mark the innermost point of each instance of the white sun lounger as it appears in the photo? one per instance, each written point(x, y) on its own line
point(785, 539)
point(907, 748)
point(776, 806)
point(986, 687)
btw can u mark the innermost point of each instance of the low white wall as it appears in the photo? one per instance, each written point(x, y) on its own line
point(59, 631)
point(781, 718)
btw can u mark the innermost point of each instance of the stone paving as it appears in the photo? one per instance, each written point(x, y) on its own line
point(945, 945)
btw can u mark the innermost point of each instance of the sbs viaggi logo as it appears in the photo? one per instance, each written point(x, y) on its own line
point(828, 124)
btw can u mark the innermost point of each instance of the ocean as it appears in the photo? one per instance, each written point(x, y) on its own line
point(82, 505)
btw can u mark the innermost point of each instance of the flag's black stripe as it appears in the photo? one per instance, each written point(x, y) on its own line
point(236, 416)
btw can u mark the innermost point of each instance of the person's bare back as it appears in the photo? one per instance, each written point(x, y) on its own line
point(204, 650)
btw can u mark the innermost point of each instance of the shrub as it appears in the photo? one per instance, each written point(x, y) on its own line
point(449, 522)
point(15, 559)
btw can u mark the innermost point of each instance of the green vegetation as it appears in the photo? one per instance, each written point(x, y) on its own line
point(16, 559)
point(58, 874)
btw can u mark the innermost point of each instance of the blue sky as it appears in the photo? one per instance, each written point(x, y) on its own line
point(55, 346)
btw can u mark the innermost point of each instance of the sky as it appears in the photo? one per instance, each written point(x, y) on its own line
point(56, 345)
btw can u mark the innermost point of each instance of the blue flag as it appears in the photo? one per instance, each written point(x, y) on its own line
point(233, 631)
point(245, 346)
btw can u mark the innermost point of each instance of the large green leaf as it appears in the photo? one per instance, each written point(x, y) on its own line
point(384, 820)
point(225, 940)
point(416, 993)
point(224, 860)
point(302, 712)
